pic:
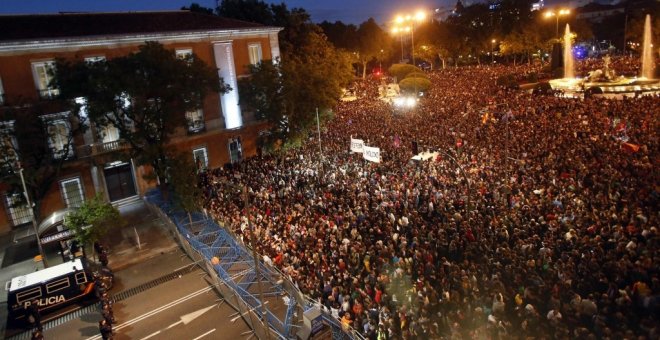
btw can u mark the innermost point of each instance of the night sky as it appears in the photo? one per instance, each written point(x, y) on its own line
point(349, 11)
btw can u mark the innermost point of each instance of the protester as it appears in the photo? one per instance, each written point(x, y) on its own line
point(534, 220)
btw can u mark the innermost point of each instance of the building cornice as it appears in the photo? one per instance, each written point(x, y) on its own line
point(43, 45)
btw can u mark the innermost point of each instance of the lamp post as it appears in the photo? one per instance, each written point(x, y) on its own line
point(492, 51)
point(34, 222)
point(408, 18)
point(400, 31)
point(557, 14)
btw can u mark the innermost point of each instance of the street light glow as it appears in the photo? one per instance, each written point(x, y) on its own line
point(493, 41)
point(399, 19)
point(420, 16)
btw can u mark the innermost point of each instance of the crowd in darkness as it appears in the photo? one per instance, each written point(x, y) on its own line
point(559, 240)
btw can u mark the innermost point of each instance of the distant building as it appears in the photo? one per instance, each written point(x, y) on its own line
point(595, 12)
point(219, 133)
point(537, 6)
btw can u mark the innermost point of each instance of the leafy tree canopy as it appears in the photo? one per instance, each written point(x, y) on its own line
point(93, 220)
point(144, 95)
point(41, 141)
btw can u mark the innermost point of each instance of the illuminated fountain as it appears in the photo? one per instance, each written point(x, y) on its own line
point(648, 64)
point(606, 80)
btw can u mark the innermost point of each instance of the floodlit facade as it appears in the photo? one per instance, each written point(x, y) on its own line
point(217, 134)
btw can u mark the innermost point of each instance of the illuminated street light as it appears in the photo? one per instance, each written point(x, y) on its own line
point(492, 50)
point(400, 19)
point(557, 14)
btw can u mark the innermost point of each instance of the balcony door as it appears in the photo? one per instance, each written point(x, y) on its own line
point(119, 181)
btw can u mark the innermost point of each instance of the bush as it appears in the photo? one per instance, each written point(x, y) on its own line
point(409, 84)
point(417, 75)
point(400, 71)
point(508, 81)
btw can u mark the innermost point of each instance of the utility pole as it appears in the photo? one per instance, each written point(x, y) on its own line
point(318, 128)
point(34, 222)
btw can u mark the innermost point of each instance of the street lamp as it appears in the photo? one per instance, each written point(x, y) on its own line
point(557, 14)
point(492, 50)
point(400, 31)
point(419, 16)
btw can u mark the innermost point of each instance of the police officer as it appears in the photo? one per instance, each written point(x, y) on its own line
point(108, 314)
point(103, 258)
point(106, 330)
point(34, 314)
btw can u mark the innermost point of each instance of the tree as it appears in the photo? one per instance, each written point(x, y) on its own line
point(183, 177)
point(247, 10)
point(195, 7)
point(144, 95)
point(288, 93)
point(341, 35)
point(93, 220)
point(371, 40)
point(41, 142)
point(429, 43)
point(311, 74)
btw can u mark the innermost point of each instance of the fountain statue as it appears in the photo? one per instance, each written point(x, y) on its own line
point(648, 62)
point(605, 80)
point(605, 75)
point(569, 62)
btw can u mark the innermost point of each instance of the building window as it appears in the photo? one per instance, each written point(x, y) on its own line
point(109, 134)
point(235, 150)
point(2, 93)
point(254, 50)
point(60, 140)
point(8, 145)
point(94, 59)
point(19, 212)
point(184, 53)
point(201, 158)
point(43, 75)
point(195, 120)
point(72, 192)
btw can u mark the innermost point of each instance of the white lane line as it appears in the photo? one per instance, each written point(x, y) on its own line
point(174, 324)
point(151, 335)
point(157, 310)
point(205, 334)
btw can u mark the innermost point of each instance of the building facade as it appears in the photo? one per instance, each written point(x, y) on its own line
point(217, 134)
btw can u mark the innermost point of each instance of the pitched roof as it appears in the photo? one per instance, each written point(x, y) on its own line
point(78, 25)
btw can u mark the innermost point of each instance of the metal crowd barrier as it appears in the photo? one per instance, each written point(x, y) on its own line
point(234, 275)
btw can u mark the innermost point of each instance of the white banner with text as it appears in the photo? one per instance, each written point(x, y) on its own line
point(371, 154)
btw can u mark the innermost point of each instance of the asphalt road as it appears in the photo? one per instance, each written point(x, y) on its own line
point(183, 308)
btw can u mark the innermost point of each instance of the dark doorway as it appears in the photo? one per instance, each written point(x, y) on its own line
point(119, 182)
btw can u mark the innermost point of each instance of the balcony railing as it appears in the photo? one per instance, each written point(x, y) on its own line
point(49, 93)
point(96, 149)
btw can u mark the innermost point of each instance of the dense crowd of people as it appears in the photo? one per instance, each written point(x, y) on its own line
point(536, 219)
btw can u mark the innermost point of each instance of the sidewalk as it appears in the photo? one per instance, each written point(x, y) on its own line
point(142, 238)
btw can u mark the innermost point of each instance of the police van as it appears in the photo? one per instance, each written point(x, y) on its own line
point(51, 288)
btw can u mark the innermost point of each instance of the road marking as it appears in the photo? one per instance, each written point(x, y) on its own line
point(151, 335)
point(174, 324)
point(157, 310)
point(205, 334)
